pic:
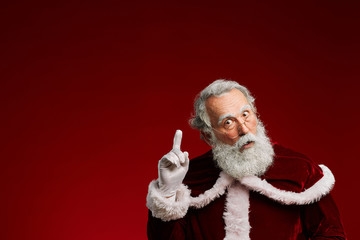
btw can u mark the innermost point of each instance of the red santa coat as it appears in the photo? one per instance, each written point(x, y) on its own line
point(290, 201)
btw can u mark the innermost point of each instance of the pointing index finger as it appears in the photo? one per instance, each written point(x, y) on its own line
point(177, 139)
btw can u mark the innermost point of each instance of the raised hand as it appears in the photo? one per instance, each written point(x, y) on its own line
point(173, 167)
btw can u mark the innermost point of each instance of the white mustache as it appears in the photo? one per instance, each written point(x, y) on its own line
point(249, 137)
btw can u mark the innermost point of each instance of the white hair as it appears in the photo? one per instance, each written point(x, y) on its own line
point(201, 120)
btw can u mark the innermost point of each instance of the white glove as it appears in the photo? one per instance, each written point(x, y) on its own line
point(173, 167)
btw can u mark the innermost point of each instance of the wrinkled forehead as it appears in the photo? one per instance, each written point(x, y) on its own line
point(228, 103)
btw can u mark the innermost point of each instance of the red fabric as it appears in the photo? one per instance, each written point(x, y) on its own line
point(291, 171)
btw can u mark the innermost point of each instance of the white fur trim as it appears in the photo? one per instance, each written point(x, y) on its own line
point(237, 200)
point(166, 208)
point(236, 214)
point(216, 191)
point(313, 194)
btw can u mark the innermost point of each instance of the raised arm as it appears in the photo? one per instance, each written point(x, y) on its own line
point(168, 198)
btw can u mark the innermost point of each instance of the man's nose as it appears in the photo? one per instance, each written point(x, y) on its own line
point(243, 129)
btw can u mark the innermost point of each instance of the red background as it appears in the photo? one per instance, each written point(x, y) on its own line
point(92, 93)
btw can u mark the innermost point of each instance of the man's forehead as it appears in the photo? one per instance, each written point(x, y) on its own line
point(230, 102)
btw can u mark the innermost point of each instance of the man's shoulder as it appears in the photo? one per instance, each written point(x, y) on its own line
point(292, 171)
point(283, 151)
point(287, 156)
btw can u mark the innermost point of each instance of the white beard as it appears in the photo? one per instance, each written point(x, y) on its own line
point(252, 161)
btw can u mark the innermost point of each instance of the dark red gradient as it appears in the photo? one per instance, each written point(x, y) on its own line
point(92, 93)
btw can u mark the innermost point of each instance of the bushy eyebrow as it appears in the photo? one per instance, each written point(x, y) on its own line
point(222, 117)
point(242, 109)
point(246, 107)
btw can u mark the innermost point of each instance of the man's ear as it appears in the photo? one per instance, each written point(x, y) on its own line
point(206, 137)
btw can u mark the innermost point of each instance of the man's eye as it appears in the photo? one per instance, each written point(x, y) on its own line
point(228, 123)
point(246, 114)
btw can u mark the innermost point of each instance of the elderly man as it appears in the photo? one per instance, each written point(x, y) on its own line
point(245, 187)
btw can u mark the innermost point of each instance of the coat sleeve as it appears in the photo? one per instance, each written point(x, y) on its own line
point(321, 220)
point(167, 216)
